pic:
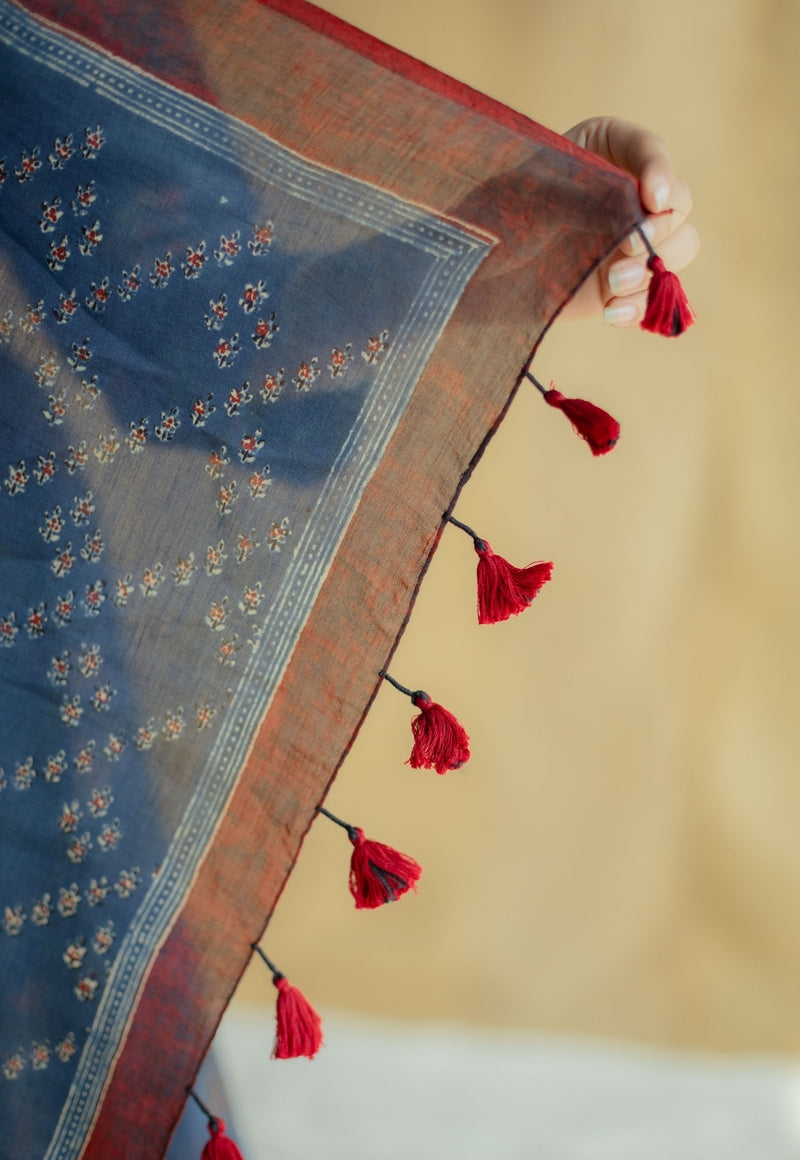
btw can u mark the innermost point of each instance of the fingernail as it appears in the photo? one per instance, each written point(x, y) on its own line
point(660, 191)
point(625, 276)
point(634, 239)
point(619, 313)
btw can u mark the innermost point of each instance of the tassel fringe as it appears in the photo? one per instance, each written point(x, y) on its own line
point(503, 589)
point(440, 740)
point(596, 426)
point(298, 1027)
point(668, 311)
point(378, 873)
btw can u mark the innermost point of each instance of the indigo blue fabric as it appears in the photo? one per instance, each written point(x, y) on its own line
point(205, 344)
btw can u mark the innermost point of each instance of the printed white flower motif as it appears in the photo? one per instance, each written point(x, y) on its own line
point(124, 588)
point(69, 898)
point(48, 369)
point(103, 938)
point(339, 360)
point(251, 598)
point(146, 735)
point(173, 724)
point(107, 447)
point(17, 478)
point(127, 882)
point(184, 569)
point(70, 816)
point(62, 151)
point(89, 659)
point(14, 918)
point(41, 911)
point(246, 545)
point(217, 460)
point(305, 374)
point(272, 386)
point(228, 249)
point(258, 482)
point(109, 837)
point(217, 614)
point(201, 410)
point(64, 610)
point(86, 988)
point(52, 525)
point(152, 579)
point(76, 457)
point(167, 428)
point(137, 437)
point(24, 773)
point(203, 715)
point(238, 397)
point(376, 345)
point(215, 558)
point(60, 668)
point(100, 802)
point(262, 239)
point(40, 1056)
point(97, 891)
point(162, 271)
point(102, 696)
point(78, 848)
point(67, 1047)
point(75, 954)
point(94, 598)
point(56, 408)
point(277, 535)
point(55, 766)
point(115, 747)
point(14, 1064)
point(84, 759)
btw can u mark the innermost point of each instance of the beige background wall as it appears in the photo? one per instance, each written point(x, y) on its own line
point(621, 855)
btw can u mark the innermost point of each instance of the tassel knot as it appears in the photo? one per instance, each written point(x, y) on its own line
point(220, 1146)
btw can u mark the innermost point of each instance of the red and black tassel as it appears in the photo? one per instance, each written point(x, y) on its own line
point(378, 873)
point(668, 311)
point(503, 589)
point(596, 426)
point(440, 740)
point(219, 1146)
point(298, 1027)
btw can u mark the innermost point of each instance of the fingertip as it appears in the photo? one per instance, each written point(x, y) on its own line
point(656, 192)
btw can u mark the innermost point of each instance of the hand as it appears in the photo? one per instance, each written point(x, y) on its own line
point(618, 289)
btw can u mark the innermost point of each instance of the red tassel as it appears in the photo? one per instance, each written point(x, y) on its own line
point(298, 1029)
point(379, 874)
point(668, 310)
point(597, 427)
point(220, 1146)
point(504, 590)
point(440, 740)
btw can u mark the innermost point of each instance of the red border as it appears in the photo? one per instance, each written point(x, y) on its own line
point(426, 75)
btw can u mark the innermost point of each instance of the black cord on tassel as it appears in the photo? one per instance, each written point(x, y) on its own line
point(212, 1119)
